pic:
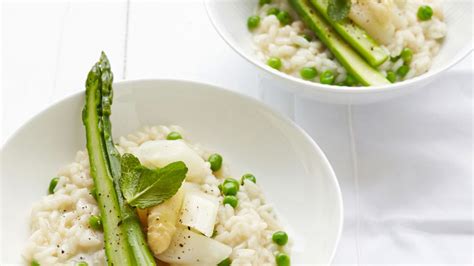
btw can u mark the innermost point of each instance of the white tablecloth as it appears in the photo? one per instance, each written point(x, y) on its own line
point(404, 166)
point(405, 169)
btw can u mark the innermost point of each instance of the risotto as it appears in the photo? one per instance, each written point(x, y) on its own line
point(410, 38)
point(62, 235)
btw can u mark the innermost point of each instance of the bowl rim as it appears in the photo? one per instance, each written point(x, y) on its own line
point(467, 49)
point(123, 84)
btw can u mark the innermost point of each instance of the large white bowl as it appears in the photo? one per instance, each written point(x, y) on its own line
point(229, 17)
point(291, 168)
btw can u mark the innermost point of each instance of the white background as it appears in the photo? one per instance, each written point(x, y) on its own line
point(404, 166)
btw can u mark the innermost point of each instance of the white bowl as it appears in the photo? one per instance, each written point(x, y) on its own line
point(291, 168)
point(229, 17)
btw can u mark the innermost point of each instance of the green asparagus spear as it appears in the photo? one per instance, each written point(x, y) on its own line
point(117, 249)
point(349, 58)
point(130, 222)
point(355, 36)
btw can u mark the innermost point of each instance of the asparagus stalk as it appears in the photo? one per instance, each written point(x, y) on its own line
point(130, 221)
point(349, 58)
point(355, 36)
point(117, 250)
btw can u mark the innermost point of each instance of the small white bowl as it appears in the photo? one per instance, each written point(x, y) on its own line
point(294, 173)
point(229, 17)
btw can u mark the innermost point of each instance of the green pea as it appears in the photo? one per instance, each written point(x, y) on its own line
point(284, 17)
point(216, 162)
point(231, 200)
point(249, 177)
point(82, 263)
point(220, 187)
point(350, 80)
point(263, 2)
point(327, 77)
point(282, 259)
point(35, 263)
point(94, 193)
point(308, 73)
point(225, 262)
point(253, 22)
point(173, 136)
point(391, 76)
point(274, 62)
point(273, 11)
point(403, 70)
point(280, 238)
point(233, 181)
point(229, 188)
point(407, 55)
point(95, 222)
point(52, 184)
point(424, 13)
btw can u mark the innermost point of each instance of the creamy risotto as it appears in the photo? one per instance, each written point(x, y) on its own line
point(410, 32)
point(61, 233)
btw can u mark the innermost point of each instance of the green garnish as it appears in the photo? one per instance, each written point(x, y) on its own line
point(407, 55)
point(274, 62)
point(350, 80)
point(391, 76)
point(230, 188)
point(216, 162)
point(173, 136)
point(327, 77)
point(308, 73)
point(225, 262)
point(231, 180)
point(52, 185)
point(249, 177)
point(273, 11)
point(339, 9)
point(284, 17)
point(280, 238)
point(253, 22)
point(282, 259)
point(143, 187)
point(424, 13)
point(231, 200)
point(403, 70)
point(95, 222)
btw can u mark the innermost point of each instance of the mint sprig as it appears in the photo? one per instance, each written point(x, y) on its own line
point(143, 187)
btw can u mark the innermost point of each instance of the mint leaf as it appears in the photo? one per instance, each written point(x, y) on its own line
point(339, 9)
point(130, 176)
point(143, 187)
